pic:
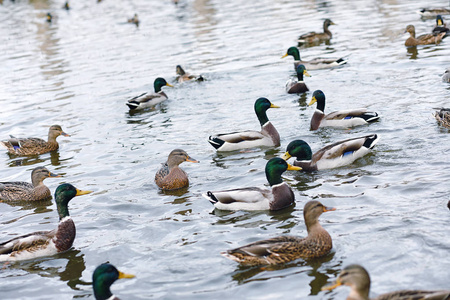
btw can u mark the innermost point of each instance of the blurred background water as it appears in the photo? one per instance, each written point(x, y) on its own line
point(79, 70)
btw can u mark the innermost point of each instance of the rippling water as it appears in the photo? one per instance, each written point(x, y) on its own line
point(78, 71)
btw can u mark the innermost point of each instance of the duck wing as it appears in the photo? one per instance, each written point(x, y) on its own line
point(243, 195)
point(15, 190)
point(27, 242)
point(415, 295)
point(344, 147)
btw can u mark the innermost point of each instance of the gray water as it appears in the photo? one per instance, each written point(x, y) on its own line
point(79, 71)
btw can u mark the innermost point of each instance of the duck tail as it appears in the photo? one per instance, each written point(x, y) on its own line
point(371, 140)
point(370, 116)
point(215, 142)
point(341, 61)
point(132, 105)
point(210, 196)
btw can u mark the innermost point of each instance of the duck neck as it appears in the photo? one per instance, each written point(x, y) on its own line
point(326, 30)
point(312, 226)
point(63, 209)
point(37, 181)
point(262, 117)
point(300, 76)
point(296, 54)
point(101, 290)
point(273, 178)
point(321, 105)
point(412, 34)
point(52, 137)
point(157, 86)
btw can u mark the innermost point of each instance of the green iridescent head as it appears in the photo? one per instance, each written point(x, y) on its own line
point(63, 194)
point(301, 71)
point(159, 83)
point(261, 106)
point(293, 51)
point(275, 167)
point(298, 149)
point(319, 97)
point(103, 277)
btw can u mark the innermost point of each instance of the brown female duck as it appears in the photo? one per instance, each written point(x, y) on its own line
point(317, 37)
point(443, 117)
point(34, 146)
point(24, 191)
point(284, 249)
point(357, 278)
point(170, 176)
point(425, 39)
point(183, 76)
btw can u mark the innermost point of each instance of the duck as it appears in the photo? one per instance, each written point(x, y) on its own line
point(336, 155)
point(358, 279)
point(145, 100)
point(49, 17)
point(268, 136)
point(24, 191)
point(46, 243)
point(66, 5)
point(446, 76)
point(294, 86)
point(424, 39)
point(317, 37)
point(253, 198)
point(440, 26)
point(170, 176)
point(183, 76)
point(316, 63)
point(432, 12)
point(34, 146)
point(343, 119)
point(134, 20)
point(102, 279)
point(283, 249)
point(443, 117)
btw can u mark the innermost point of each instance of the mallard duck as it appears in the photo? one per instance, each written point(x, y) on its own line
point(268, 136)
point(134, 20)
point(102, 279)
point(294, 86)
point(357, 278)
point(34, 146)
point(425, 39)
point(145, 100)
point(49, 17)
point(170, 176)
point(432, 12)
point(440, 26)
point(443, 117)
point(315, 37)
point(343, 118)
point(24, 191)
point(284, 249)
point(336, 155)
point(183, 76)
point(66, 5)
point(45, 243)
point(446, 76)
point(254, 198)
point(314, 64)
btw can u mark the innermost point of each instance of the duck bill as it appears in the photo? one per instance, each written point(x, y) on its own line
point(80, 192)
point(192, 160)
point(325, 209)
point(332, 286)
point(125, 275)
point(284, 55)
point(169, 85)
point(293, 168)
point(332, 23)
point(313, 100)
point(306, 73)
point(274, 106)
point(54, 175)
point(286, 156)
point(64, 134)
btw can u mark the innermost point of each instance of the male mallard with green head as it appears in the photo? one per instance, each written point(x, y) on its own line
point(343, 118)
point(314, 64)
point(46, 243)
point(170, 176)
point(424, 39)
point(284, 249)
point(102, 279)
point(336, 155)
point(145, 100)
point(24, 191)
point(317, 37)
point(357, 278)
point(253, 198)
point(294, 86)
point(49, 17)
point(268, 136)
point(182, 76)
point(34, 146)
point(440, 26)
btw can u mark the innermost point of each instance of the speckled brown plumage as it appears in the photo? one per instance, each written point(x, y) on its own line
point(170, 176)
point(183, 76)
point(34, 146)
point(443, 117)
point(358, 279)
point(24, 191)
point(317, 37)
point(287, 248)
point(424, 39)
